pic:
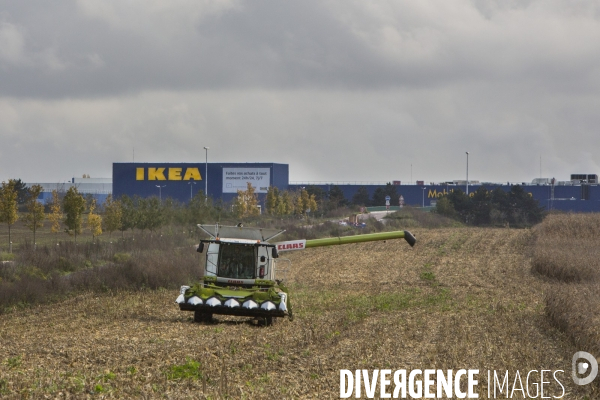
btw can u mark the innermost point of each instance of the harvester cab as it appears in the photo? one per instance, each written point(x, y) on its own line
point(240, 274)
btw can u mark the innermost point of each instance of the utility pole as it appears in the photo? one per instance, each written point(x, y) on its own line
point(467, 173)
point(190, 183)
point(160, 191)
point(206, 176)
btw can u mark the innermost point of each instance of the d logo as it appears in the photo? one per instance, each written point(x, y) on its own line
point(579, 368)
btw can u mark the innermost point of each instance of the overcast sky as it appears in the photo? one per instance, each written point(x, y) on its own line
point(340, 90)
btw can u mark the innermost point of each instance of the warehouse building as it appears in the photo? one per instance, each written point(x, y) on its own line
point(181, 181)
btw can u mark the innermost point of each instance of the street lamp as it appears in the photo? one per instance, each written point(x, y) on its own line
point(424, 197)
point(467, 172)
point(160, 191)
point(206, 175)
point(190, 183)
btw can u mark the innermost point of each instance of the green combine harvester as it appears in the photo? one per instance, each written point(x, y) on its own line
point(243, 274)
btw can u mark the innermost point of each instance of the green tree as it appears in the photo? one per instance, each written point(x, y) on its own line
point(74, 206)
point(22, 191)
point(481, 206)
point(522, 209)
point(462, 205)
point(515, 207)
point(444, 207)
point(141, 205)
point(381, 192)
point(199, 209)
point(8, 206)
point(169, 210)
point(361, 197)
point(113, 215)
point(336, 198)
point(35, 210)
point(130, 214)
point(153, 214)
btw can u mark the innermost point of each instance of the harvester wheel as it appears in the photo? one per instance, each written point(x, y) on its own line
point(200, 316)
point(268, 321)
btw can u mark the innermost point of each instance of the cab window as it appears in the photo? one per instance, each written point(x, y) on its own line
point(237, 261)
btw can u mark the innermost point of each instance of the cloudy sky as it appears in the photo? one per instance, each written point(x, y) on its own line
point(341, 90)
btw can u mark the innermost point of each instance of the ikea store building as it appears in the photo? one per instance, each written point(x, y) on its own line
point(182, 181)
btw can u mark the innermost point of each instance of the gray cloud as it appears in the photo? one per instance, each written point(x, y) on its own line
point(90, 49)
point(340, 90)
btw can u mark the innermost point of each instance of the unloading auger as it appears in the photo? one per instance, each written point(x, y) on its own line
point(242, 273)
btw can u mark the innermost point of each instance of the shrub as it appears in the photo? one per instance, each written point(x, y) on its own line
point(51, 273)
point(121, 257)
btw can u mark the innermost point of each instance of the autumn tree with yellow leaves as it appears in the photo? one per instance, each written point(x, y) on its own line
point(94, 221)
point(8, 205)
point(246, 203)
point(55, 217)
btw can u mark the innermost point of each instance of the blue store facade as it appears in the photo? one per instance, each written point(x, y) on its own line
point(181, 181)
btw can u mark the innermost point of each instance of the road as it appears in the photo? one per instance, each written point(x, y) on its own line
point(378, 215)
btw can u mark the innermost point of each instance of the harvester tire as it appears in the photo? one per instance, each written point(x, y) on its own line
point(200, 316)
point(268, 321)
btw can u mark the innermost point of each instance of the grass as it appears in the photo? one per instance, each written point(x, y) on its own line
point(191, 369)
point(7, 256)
point(366, 306)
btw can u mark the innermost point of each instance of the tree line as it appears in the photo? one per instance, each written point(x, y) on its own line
point(72, 212)
point(66, 211)
point(515, 208)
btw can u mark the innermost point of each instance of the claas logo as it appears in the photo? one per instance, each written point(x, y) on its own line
point(167, 174)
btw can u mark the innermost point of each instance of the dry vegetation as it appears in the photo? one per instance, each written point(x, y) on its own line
point(57, 271)
point(462, 298)
point(566, 250)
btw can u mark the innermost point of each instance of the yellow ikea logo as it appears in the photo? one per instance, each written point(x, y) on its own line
point(172, 174)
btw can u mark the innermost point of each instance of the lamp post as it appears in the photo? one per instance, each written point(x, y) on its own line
point(160, 191)
point(467, 173)
point(190, 183)
point(206, 175)
point(424, 196)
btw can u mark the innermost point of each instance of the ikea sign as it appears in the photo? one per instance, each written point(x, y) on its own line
point(183, 181)
point(168, 174)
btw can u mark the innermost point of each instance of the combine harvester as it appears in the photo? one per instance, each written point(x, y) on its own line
point(241, 267)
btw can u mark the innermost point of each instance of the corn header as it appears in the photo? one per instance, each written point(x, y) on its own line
point(243, 274)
